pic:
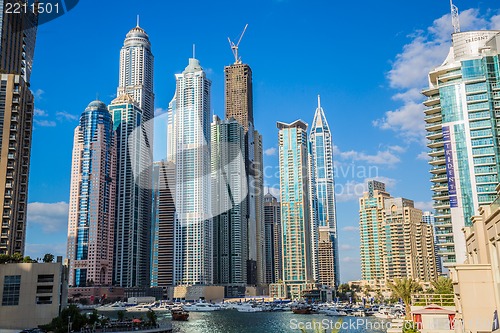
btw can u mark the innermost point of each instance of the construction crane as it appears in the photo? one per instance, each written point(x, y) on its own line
point(455, 17)
point(234, 47)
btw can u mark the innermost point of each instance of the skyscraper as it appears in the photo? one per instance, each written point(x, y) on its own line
point(462, 110)
point(295, 214)
point(239, 106)
point(272, 222)
point(133, 201)
point(166, 217)
point(395, 242)
point(193, 229)
point(229, 189)
point(155, 221)
point(17, 45)
point(323, 201)
point(428, 217)
point(92, 199)
point(136, 70)
point(371, 216)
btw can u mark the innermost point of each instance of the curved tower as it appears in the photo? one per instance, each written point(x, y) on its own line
point(136, 70)
point(92, 201)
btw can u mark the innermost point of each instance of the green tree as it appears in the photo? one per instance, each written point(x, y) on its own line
point(405, 289)
point(121, 315)
point(28, 259)
point(93, 318)
point(443, 285)
point(48, 257)
point(71, 315)
point(152, 317)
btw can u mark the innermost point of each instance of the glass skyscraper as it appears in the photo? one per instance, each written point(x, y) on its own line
point(92, 199)
point(295, 214)
point(229, 189)
point(133, 201)
point(190, 152)
point(462, 114)
point(323, 199)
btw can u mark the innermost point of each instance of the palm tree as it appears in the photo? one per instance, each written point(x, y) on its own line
point(443, 285)
point(405, 289)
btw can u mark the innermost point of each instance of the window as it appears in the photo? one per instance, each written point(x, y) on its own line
point(45, 278)
point(44, 300)
point(11, 288)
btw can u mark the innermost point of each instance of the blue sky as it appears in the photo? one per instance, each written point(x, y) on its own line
point(368, 60)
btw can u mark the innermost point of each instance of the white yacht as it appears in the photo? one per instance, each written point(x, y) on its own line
point(247, 307)
point(140, 308)
point(117, 306)
point(201, 307)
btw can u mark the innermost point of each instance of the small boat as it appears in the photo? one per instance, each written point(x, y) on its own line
point(162, 307)
point(334, 312)
point(303, 310)
point(179, 314)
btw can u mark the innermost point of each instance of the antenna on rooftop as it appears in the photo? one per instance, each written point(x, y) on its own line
point(234, 47)
point(455, 17)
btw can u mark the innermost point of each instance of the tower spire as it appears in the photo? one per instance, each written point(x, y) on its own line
point(319, 101)
point(138, 20)
point(455, 17)
point(194, 51)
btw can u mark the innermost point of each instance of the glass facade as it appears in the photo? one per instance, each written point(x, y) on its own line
point(464, 97)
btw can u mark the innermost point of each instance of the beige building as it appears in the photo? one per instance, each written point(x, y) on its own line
point(31, 294)
point(479, 277)
point(325, 257)
point(395, 242)
point(408, 249)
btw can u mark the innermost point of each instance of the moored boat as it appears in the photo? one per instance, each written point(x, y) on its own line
point(180, 314)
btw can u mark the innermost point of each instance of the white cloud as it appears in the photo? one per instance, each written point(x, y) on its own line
point(495, 22)
point(425, 205)
point(397, 149)
point(270, 151)
point(352, 190)
point(38, 93)
point(423, 156)
point(40, 113)
point(66, 116)
point(51, 217)
point(381, 157)
point(45, 123)
point(350, 228)
point(160, 111)
point(426, 50)
point(39, 250)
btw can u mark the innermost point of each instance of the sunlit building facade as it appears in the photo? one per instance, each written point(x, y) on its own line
point(92, 199)
point(461, 115)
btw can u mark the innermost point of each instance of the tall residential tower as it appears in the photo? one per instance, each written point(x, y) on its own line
point(17, 46)
point(295, 214)
point(323, 200)
point(193, 229)
point(92, 199)
point(461, 115)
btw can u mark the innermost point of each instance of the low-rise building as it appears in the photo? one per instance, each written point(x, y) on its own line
point(32, 294)
point(476, 282)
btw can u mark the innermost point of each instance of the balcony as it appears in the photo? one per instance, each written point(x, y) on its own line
point(432, 101)
point(433, 118)
point(432, 127)
point(434, 110)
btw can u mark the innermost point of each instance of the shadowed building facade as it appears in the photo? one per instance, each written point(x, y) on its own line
point(17, 46)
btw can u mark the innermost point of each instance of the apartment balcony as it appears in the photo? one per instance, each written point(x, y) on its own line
point(433, 127)
point(495, 86)
point(433, 118)
point(436, 144)
point(440, 196)
point(434, 110)
point(437, 161)
point(431, 101)
point(430, 91)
